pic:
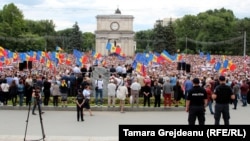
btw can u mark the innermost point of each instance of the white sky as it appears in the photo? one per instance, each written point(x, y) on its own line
point(65, 13)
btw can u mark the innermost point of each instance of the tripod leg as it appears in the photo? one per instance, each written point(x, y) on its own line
point(41, 120)
point(27, 122)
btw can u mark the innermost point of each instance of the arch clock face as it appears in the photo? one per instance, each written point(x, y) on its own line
point(114, 26)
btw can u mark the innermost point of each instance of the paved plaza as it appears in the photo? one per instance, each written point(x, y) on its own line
point(61, 124)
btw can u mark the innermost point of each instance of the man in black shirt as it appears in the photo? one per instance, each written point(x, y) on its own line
point(84, 71)
point(196, 103)
point(112, 70)
point(222, 95)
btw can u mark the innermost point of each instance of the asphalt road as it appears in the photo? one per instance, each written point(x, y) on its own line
point(62, 125)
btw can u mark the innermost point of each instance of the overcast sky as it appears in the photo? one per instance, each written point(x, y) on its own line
point(65, 13)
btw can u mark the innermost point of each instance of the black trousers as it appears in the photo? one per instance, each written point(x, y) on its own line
point(46, 97)
point(14, 100)
point(72, 90)
point(79, 111)
point(5, 97)
point(146, 100)
point(224, 110)
point(28, 100)
point(46, 100)
point(157, 101)
point(55, 100)
point(196, 112)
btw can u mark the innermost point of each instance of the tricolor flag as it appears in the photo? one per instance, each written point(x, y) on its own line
point(165, 55)
point(96, 54)
point(59, 48)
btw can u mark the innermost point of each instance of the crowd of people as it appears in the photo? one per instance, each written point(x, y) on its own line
point(125, 82)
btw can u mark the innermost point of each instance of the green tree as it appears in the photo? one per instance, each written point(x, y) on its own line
point(143, 40)
point(64, 39)
point(216, 26)
point(76, 41)
point(40, 29)
point(159, 42)
point(12, 20)
point(210, 31)
point(170, 37)
point(88, 41)
point(11, 25)
point(186, 27)
point(164, 38)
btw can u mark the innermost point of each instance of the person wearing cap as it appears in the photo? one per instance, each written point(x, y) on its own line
point(222, 95)
point(196, 103)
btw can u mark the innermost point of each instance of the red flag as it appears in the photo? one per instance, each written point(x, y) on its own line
point(68, 61)
point(118, 50)
point(212, 61)
point(232, 67)
point(84, 59)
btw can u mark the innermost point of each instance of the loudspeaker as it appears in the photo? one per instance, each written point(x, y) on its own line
point(188, 67)
point(179, 66)
point(21, 66)
point(29, 64)
point(183, 65)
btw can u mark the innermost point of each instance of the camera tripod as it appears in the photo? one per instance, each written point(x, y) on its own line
point(37, 100)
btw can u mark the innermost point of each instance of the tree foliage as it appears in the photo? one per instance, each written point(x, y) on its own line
point(144, 40)
point(213, 31)
point(88, 41)
point(76, 41)
point(164, 38)
point(12, 20)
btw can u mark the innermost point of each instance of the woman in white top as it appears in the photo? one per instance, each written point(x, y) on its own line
point(86, 93)
point(5, 91)
point(122, 93)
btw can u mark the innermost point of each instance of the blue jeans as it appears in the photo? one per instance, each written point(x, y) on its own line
point(244, 99)
point(21, 95)
point(97, 93)
point(185, 96)
point(210, 103)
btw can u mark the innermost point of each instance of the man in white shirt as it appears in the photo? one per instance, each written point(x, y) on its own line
point(99, 90)
point(135, 89)
point(111, 93)
point(119, 70)
point(76, 69)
